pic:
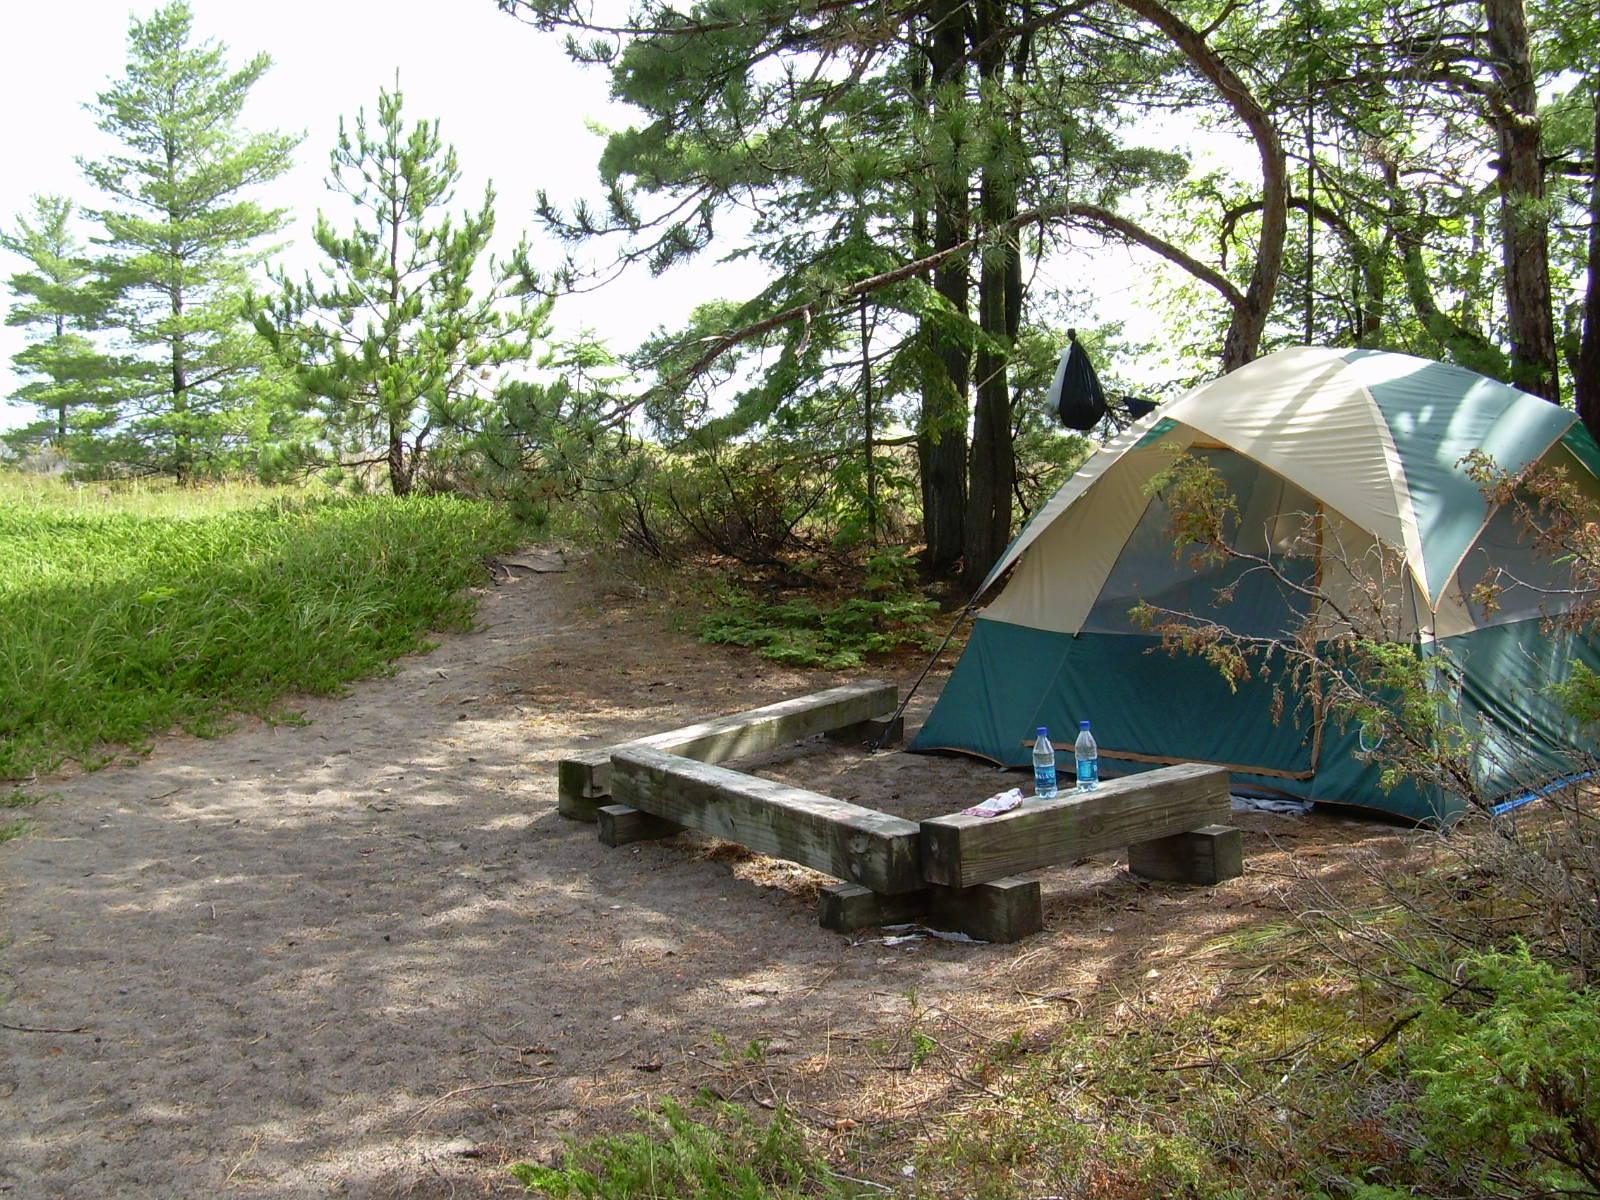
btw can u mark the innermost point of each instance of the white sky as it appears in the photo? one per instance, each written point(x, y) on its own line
point(515, 108)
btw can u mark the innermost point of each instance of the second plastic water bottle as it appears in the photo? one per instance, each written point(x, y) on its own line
point(1088, 759)
point(1044, 765)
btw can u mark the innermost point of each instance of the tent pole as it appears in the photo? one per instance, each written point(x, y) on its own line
point(877, 743)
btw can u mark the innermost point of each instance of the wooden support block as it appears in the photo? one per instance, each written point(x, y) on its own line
point(845, 907)
point(585, 775)
point(962, 851)
point(1205, 856)
point(880, 731)
point(619, 825)
point(1002, 910)
point(858, 845)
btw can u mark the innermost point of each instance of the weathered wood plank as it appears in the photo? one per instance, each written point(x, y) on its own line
point(844, 840)
point(772, 725)
point(962, 851)
point(1002, 910)
point(1207, 855)
point(586, 774)
point(846, 907)
point(619, 824)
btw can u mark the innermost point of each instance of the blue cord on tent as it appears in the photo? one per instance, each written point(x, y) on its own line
point(1515, 802)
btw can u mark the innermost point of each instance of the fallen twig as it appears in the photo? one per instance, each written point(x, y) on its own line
point(479, 1087)
point(43, 1028)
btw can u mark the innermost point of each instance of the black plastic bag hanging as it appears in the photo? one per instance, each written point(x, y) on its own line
point(1076, 395)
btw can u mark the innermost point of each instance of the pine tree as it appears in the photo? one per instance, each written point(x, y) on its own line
point(182, 238)
point(60, 301)
point(399, 350)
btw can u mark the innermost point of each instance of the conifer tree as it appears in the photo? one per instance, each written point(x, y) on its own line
point(400, 352)
point(182, 237)
point(59, 302)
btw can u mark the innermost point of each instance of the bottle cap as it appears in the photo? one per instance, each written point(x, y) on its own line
point(1043, 732)
point(1083, 724)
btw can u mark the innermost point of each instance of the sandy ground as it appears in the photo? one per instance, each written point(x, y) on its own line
point(363, 956)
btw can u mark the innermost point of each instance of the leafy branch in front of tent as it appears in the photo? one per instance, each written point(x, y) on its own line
point(1563, 524)
point(1348, 662)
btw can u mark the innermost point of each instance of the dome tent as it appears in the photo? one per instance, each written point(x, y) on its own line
point(1369, 445)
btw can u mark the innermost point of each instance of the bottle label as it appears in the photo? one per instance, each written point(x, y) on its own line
point(1044, 780)
point(1088, 773)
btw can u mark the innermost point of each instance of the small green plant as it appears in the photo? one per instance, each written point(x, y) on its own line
point(717, 1151)
point(803, 633)
point(1506, 1066)
point(14, 799)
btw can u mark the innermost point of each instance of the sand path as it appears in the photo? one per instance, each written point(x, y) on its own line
point(363, 956)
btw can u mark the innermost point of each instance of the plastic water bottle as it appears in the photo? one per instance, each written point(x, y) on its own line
point(1088, 756)
point(1044, 765)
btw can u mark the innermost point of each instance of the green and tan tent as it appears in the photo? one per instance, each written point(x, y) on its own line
point(1368, 445)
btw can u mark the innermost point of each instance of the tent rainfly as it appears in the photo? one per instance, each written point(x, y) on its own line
point(1368, 445)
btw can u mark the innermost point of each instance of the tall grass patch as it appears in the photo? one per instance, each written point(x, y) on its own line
point(116, 624)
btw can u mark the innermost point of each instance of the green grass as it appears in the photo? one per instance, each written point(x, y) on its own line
point(127, 614)
point(729, 1155)
point(17, 826)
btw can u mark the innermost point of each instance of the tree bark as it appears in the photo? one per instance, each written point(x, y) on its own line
point(1243, 340)
point(400, 464)
point(942, 433)
point(1524, 235)
point(61, 405)
point(992, 465)
point(1586, 379)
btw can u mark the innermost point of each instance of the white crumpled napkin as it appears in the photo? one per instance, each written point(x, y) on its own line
point(995, 805)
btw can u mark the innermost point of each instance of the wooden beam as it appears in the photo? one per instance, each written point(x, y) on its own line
point(844, 840)
point(586, 774)
point(1207, 855)
point(962, 851)
point(619, 825)
point(762, 729)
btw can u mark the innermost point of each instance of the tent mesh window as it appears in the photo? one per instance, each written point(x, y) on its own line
point(1248, 599)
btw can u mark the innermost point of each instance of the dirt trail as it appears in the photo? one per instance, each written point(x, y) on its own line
point(363, 956)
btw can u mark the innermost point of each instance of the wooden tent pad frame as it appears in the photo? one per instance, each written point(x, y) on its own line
point(584, 778)
point(955, 872)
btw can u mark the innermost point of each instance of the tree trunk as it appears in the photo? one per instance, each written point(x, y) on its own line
point(61, 405)
point(992, 470)
point(183, 448)
point(942, 434)
point(1243, 339)
point(1586, 379)
point(399, 464)
point(1524, 234)
point(867, 428)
